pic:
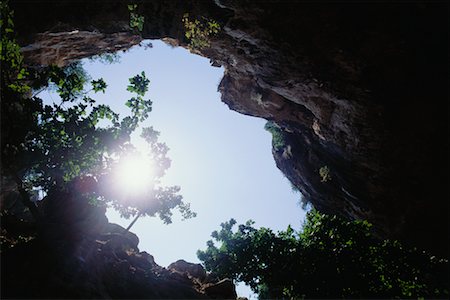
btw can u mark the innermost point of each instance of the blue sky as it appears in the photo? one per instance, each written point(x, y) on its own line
point(221, 159)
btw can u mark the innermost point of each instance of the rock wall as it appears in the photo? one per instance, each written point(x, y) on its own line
point(77, 254)
point(357, 88)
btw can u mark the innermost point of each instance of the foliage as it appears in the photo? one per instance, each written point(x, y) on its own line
point(106, 58)
point(52, 146)
point(9, 241)
point(139, 84)
point(136, 20)
point(278, 140)
point(99, 85)
point(69, 81)
point(329, 258)
point(294, 188)
point(324, 173)
point(11, 59)
point(199, 31)
point(303, 201)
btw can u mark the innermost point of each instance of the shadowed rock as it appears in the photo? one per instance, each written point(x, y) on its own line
point(357, 88)
point(85, 257)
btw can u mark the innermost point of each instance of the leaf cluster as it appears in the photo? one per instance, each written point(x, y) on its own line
point(199, 31)
point(325, 174)
point(278, 139)
point(51, 147)
point(11, 60)
point(329, 258)
point(106, 58)
point(136, 20)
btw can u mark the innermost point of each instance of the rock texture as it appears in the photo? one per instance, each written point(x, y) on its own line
point(62, 48)
point(77, 254)
point(356, 88)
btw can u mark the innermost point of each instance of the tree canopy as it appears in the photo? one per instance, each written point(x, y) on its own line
point(329, 258)
point(48, 147)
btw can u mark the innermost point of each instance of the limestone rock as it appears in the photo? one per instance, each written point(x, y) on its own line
point(359, 89)
point(77, 253)
point(97, 268)
point(194, 270)
point(223, 289)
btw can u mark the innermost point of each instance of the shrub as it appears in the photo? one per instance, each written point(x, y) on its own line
point(278, 139)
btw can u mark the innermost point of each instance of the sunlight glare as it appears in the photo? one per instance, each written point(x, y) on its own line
point(134, 173)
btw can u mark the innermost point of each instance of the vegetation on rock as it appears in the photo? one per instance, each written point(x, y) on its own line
point(324, 173)
point(65, 149)
point(136, 20)
point(278, 140)
point(329, 258)
point(199, 31)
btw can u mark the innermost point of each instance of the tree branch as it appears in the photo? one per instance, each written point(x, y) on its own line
point(26, 199)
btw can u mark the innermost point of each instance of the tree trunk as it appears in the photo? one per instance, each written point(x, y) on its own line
point(132, 223)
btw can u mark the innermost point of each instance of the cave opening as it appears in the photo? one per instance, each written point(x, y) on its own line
point(345, 86)
point(221, 159)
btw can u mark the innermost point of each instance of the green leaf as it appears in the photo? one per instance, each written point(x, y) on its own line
point(139, 84)
point(99, 85)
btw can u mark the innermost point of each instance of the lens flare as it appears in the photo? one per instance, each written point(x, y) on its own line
point(134, 173)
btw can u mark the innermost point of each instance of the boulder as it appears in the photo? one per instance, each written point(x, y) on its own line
point(194, 270)
point(224, 289)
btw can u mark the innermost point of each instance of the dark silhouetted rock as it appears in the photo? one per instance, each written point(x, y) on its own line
point(77, 254)
point(358, 89)
point(224, 289)
point(194, 270)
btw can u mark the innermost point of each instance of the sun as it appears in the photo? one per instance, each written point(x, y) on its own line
point(134, 173)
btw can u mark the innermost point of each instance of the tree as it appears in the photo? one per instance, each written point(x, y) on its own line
point(57, 147)
point(329, 258)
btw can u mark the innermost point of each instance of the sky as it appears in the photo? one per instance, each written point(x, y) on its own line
point(221, 159)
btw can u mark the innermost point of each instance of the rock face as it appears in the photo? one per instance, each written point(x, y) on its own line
point(61, 48)
point(357, 89)
point(77, 254)
point(183, 267)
